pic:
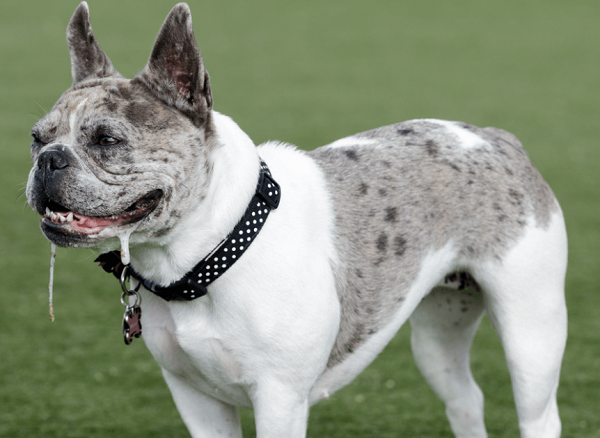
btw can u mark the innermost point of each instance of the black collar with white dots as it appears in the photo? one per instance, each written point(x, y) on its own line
point(193, 284)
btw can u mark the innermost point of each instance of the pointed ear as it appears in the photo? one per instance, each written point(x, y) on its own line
point(88, 60)
point(175, 72)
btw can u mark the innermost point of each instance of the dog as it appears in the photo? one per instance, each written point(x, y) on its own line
point(432, 221)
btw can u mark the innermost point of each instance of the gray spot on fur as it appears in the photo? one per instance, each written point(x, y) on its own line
point(351, 154)
point(382, 243)
point(431, 148)
point(453, 166)
point(444, 192)
point(391, 214)
point(363, 189)
point(399, 245)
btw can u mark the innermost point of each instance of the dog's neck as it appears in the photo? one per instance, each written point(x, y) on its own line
point(231, 187)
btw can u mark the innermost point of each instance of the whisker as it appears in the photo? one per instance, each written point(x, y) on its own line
point(41, 107)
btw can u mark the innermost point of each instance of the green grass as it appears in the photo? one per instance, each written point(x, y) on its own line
point(305, 72)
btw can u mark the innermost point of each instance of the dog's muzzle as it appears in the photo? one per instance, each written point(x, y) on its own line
point(70, 210)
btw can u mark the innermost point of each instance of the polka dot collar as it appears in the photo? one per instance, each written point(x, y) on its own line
point(193, 284)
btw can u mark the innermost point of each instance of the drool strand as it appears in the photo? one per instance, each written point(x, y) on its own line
point(124, 238)
point(51, 284)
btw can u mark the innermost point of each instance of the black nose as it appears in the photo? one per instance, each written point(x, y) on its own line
point(53, 160)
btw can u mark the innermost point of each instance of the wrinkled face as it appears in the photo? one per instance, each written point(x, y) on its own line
point(110, 156)
point(116, 155)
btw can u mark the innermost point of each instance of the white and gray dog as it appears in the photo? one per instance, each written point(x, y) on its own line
point(271, 276)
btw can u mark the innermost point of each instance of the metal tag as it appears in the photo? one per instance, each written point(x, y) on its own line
point(132, 323)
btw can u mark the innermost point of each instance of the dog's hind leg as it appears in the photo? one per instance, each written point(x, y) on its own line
point(442, 330)
point(524, 298)
point(203, 415)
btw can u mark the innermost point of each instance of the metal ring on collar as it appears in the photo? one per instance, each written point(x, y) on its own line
point(126, 275)
point(138, 299)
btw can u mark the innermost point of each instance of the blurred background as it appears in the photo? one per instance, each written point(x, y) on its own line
point(308, 73)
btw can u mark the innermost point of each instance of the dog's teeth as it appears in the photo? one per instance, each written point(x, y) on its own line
point(62, 218)
point(48, 211)
point(52, 215)
point(70, 217)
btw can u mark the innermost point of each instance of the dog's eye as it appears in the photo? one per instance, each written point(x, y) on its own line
point(36, 138)
point(107, 141)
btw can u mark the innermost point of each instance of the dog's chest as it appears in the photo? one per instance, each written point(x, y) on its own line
point(187, 343)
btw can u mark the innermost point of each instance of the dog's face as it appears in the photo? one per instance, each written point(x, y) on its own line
point(113, 153)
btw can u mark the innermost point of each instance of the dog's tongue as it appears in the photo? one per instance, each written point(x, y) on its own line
point(93, 225)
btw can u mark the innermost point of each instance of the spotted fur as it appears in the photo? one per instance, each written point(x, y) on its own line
point(413, 189)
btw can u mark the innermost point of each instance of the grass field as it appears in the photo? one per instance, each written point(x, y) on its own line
point(308, 73)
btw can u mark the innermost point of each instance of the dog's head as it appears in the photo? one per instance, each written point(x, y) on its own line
point(114, 153)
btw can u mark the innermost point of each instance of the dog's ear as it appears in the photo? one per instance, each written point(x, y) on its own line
point(175, 71)
point(88, 60)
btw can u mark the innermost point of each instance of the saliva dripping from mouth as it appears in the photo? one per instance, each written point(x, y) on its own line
point(124, 238)
point(51, 283)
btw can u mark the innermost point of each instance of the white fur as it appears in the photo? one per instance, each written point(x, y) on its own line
point(442, 330)
point(73, 131)
point(466, 139)
point(251, 343)
point(526, 305)
point(351, 141)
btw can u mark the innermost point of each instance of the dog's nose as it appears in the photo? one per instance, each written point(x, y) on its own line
point(53, 160)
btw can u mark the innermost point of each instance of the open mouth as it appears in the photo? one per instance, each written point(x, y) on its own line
point(58, 216)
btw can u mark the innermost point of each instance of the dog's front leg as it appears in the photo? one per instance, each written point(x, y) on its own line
point(280, 411)
point(204, 416)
